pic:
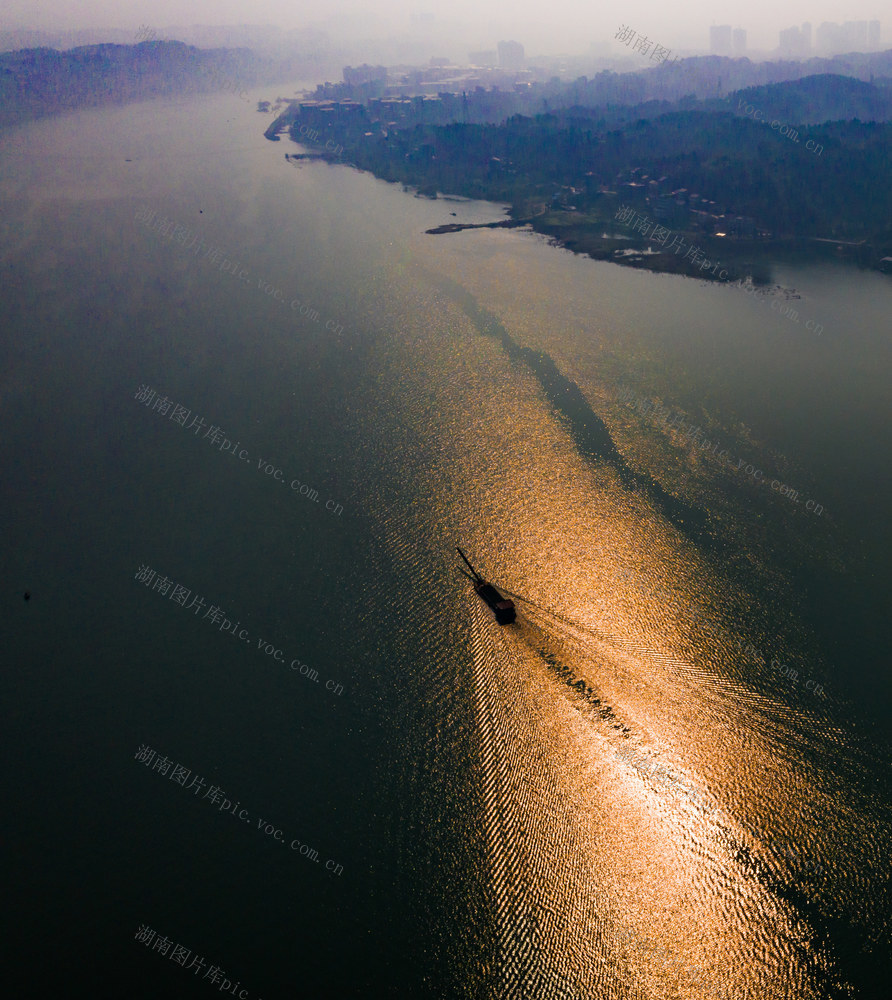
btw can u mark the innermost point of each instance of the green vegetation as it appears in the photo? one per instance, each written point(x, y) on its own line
point(696, 172)
point(740, 164)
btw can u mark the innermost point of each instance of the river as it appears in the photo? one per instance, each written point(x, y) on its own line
point(254, 710)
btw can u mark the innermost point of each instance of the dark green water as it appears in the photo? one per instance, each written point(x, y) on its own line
point(493, 840)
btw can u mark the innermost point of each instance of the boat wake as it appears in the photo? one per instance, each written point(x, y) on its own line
point(613, 795)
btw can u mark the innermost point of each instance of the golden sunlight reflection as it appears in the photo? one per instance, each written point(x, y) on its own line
point(653, 826)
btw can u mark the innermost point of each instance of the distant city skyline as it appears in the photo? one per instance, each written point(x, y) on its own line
point(830, 38)
point(561, 27)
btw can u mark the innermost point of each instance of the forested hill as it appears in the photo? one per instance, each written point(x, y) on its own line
point(729, 164)
point(36, 82)
point(815, 99)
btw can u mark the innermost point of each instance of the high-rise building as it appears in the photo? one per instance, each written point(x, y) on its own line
point(720, 39)
point(853, 36)
point(739, 41)
point(827, 38)
point(510, 55)
point(795, 42)
point(788, 41)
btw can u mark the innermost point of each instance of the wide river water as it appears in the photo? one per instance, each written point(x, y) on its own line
point(259, 729)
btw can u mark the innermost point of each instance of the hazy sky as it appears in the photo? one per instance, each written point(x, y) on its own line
point(538, 24)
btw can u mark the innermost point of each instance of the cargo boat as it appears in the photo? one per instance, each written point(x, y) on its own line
point(501, 607)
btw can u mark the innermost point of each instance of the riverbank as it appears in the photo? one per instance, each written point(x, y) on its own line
point(594, 242)
point(718, 259)
point(580, 185)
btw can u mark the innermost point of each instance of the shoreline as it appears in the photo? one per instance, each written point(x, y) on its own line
point(616, 250)
point(742, 261)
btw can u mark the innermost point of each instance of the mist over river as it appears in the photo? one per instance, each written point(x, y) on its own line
point(253, 711)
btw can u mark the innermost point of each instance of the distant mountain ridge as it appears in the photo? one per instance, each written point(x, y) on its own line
point(264, 38)
point(698, 79)
point(37, 82)
point(707, 77)
point(812, 100)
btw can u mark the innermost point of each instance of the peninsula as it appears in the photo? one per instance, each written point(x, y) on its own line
point(666, 190)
